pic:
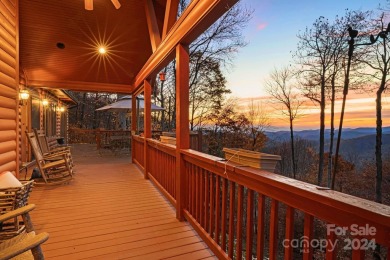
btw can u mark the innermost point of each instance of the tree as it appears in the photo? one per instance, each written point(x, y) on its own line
point(321, 52)
point(279, 87)
point(226, 128)
point(314, 55)
point(378, 63)
point(210, 54)
point(258, 121)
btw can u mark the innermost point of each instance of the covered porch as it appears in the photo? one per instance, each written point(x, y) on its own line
point(109, 211)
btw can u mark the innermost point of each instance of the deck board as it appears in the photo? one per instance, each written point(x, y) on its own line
point(109, 211)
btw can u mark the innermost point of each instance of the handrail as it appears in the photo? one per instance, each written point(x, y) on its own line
point(206, 175)
point(226, 202)
point(138, 138)
point(341, 201)
point(167, 148)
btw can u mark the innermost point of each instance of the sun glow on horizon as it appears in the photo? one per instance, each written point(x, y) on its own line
point(359, 112)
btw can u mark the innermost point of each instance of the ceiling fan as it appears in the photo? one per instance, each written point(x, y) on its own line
point(89, 4)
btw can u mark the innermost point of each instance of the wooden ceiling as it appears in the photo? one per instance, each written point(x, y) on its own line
point(78, 66)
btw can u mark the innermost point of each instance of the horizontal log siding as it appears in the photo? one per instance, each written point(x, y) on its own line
point(8, 85)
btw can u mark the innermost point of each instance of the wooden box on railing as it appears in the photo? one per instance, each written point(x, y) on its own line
point(168, 140)
point(258, 160)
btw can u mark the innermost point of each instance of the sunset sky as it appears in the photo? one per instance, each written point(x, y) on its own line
point(271, 36)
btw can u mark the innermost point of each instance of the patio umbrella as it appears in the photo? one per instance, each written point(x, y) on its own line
point(124, 105)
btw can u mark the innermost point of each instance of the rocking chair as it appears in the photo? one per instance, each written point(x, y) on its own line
point(55, 169)
point(26, 245)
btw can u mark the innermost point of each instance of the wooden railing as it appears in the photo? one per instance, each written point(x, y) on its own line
point(100, 137)
point(162, 170)
point(245, 212)
point(82, 136)
point(218, 192)
point(138, 146)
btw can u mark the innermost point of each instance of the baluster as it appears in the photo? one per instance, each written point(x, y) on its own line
point(217, 208)
point(197, 194)
point(206, 202)
point(231, 219)
point(288, 250)
point(224, 212)
point(308, 234)
point(273, 236)
point(189, 185)
point(357, 253)
point(202, 185)
point(330, 252)
point(249, 225)
point(240, 210)
point(212, 189)
point(260, 226)
point(194, 190)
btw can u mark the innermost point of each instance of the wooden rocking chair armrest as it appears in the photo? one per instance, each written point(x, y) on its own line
point(16, 212)
point(61, 148)
point(54, 164)
point(58, 153)
point(24, 245)
point(54, 156)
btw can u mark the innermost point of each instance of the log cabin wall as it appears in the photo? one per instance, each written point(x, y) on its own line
point(9, 77)
point(24, 124)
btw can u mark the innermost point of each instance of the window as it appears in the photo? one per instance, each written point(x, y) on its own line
point(35, 121)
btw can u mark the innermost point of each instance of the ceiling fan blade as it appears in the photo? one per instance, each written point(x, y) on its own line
point(116, 4)
point(88, 5)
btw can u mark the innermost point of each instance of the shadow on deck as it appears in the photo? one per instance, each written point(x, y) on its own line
point(109, 211)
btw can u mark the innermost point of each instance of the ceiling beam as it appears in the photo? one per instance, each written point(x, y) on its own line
point(170, 17)
point(81, 86)
point(198, 16)
point(154, 32)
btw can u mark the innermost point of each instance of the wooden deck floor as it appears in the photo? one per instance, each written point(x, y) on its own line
point(110, 212)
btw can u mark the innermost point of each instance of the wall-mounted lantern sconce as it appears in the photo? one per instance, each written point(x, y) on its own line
point(162, 76)
point(45, 102)
point(61, 109)
point(24, 95)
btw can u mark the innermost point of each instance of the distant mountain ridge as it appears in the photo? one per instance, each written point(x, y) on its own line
point(356, 145)
point(313, 135)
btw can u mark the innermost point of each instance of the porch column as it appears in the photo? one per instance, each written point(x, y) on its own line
point(182, 124)
point(133, 123)
point(147, 124)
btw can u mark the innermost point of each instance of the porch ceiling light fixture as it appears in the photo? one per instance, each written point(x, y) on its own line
point(88, 4)
point(102, 50)
point(162, 76)
point(45, 102)
point(24, 95)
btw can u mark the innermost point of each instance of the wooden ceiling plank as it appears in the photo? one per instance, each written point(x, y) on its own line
point(80, 86)
point(171, 10)
point(198, 16)
point(154, 32)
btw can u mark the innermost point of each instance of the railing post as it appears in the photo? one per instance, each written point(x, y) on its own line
point(133, 124)
point(147, 124)
point(182, 125)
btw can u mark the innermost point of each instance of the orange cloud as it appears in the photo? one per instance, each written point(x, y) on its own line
point(360, 112)
point(261, 26)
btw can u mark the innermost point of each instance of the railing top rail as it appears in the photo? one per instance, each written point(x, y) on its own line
point(138, 138)
point(167, 148)
point(336, 207)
